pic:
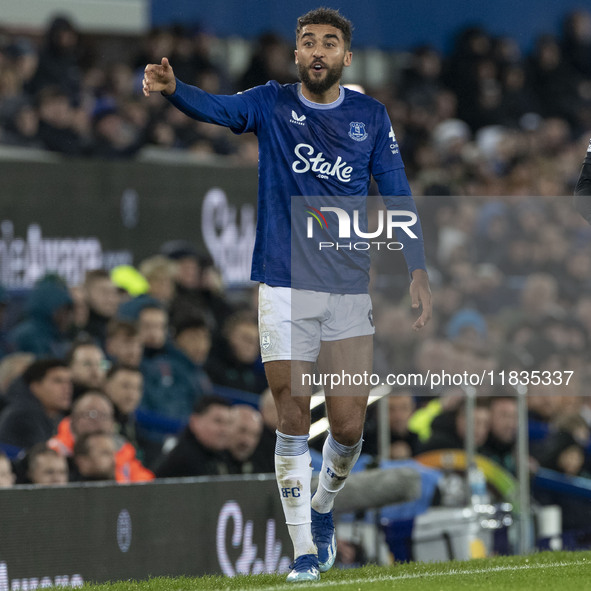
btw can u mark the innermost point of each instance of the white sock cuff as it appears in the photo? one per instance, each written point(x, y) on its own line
point(291, 445)
point(344, 451)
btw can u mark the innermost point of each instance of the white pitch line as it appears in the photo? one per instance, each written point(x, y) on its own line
point(476, 571)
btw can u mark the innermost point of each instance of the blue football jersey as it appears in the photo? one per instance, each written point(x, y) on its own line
point(306, 150)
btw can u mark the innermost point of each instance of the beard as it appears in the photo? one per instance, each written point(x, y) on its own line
point(333, 75)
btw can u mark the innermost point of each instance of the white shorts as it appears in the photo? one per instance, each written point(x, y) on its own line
point(293, 322)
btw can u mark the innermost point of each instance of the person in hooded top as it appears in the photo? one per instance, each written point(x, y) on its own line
point(44, 331)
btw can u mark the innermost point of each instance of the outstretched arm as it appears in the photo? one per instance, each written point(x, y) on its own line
point(583, 188)
point(240, 112)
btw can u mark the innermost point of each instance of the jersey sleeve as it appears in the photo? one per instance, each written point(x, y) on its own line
point(240, 112)
point(386, 154)
point(583, 188)
point(395, 190)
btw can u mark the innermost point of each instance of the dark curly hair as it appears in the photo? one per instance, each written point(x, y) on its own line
point(327, 16)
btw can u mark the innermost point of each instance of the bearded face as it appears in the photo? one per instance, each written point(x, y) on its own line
point(319, 84)
point(320, 57)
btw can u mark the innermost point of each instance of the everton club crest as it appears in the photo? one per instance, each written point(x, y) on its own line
point(265, 340)
point(357, 131)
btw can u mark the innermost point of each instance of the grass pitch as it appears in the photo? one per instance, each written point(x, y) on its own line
point(547, 571)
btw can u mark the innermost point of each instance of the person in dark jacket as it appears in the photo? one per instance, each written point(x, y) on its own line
point(583, 188)
point(34, 416)
point(198, 286)
point(56, 129)
point(245, 436)
point(193, 341)
point(448, 430)
point(235, 361)
point(202, 447)
point(502, 438)
point(102, 299)
point(123, 344)
point(403, 443)
point(124, 386)
point(168, 374)
point(563, 453)
point(59, 60)
point(50, 313)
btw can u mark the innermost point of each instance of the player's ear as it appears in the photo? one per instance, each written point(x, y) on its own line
point(295, 53)
point(348, 58)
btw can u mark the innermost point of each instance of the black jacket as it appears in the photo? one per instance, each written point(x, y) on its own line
point(443, 433)
point(583, 188)
point(24, 422)
point(191, 458)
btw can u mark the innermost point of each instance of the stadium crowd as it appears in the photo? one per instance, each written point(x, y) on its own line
point(93, 378)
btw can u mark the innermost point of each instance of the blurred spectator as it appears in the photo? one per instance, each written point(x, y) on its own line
point(160, 273)
point(235, 359)
point(114, 137)
point(449, 428)
point(554, 80)
point(572, 423)
point(193, 339)
point(94, 413)
point(421, 81)
point(198, 287)
point(81, 312)
point(190, 53)
point(123, 344)
point(22, 129)
point(467, 330)
point(11, 368)
point(88, 366)
point(502, 437)
point(185, 256)
point(272, 60)
point(169, 378)
point(34, 416)
point(124, 386)
point(403, 443)
point(202, 447)
point(7, 477)
point(59, 60)
point(563, 453)
point(577, 41)
point(246, 429)
point(44, 332)
point(94, 457)
point(518, 97)
point(468, 66)
point(102, 300)
point(539, 296)
point(57, 131)
point(45, 466)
